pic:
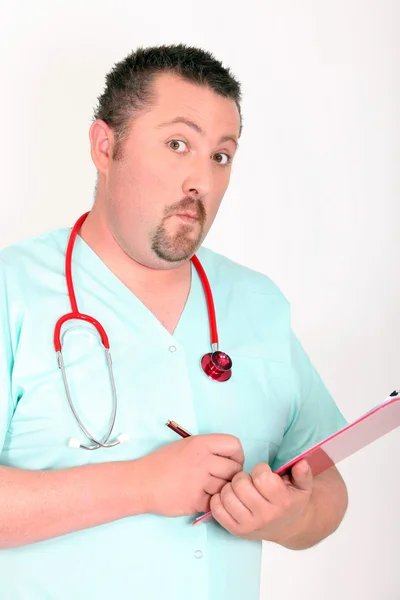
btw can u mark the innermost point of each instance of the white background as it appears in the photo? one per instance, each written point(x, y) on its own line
point(313, 203)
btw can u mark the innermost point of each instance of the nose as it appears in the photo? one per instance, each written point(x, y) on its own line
point(199, 179)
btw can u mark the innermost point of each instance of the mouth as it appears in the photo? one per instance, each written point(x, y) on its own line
point(187, 217)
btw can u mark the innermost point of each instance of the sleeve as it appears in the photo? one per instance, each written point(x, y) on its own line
point(314, 415)
point(6, 362)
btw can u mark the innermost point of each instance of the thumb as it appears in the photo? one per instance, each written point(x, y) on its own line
point(302, 477)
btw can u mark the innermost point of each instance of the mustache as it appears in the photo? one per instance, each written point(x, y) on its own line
point(189, 204)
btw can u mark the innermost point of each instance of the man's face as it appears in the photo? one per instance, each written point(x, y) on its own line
point(164, 192)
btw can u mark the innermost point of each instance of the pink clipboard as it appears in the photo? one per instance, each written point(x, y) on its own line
point(374, 424)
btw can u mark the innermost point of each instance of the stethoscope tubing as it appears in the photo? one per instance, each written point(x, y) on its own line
point(216, 365)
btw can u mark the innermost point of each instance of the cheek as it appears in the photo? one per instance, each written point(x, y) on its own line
point(220, 187)
point(222, 177)
point(154, 176)
point(133, 183)
point(121, 183)
point(141, 192)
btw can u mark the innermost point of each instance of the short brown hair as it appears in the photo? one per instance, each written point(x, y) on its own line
point(128, 84)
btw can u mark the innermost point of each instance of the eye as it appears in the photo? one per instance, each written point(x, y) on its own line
point(176, 145)
point(222, 158)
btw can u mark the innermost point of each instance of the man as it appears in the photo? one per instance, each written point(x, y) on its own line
point(117, 521)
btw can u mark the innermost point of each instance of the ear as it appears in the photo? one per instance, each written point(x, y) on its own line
point(101, 144)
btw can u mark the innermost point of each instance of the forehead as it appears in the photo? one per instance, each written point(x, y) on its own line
point(174, 96)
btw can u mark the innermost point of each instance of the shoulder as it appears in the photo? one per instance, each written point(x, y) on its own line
point(30, 259)
point(27, 263)
point(30, 249)
point(253, 313)
point(232, 274)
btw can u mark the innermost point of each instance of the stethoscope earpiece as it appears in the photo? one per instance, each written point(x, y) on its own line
point(74, 443)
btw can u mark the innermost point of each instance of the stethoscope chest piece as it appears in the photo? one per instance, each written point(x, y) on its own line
point(217, 365)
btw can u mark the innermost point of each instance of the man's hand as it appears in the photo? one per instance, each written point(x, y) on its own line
point(180, 478)
point(264, 502)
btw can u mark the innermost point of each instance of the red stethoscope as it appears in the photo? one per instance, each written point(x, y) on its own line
point(216, 365)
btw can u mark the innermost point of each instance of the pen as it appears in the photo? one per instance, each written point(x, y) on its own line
point(177, 428)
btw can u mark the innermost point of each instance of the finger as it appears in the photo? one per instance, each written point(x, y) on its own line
point(225, 468)
point(226, 445)
point(204, 503)
point(302, 477)
point(245, 490)
point(221, 515)
point(233, 506)
point(270, 485)
point(214, 485)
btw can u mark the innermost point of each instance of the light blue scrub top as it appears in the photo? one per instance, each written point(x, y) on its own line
point(275, 403)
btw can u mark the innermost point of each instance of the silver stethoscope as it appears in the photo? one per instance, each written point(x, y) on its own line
point(216, 365)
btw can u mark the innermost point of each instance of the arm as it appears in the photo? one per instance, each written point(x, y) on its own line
point(175, 480)
point(294, 511)
point(38, 505)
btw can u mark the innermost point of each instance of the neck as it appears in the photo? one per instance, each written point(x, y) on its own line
point(132, 273)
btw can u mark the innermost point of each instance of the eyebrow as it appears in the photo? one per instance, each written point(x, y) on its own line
point(198, 129)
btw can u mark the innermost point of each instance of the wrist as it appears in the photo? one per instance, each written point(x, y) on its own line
point(291, 537)
point(133, 488)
